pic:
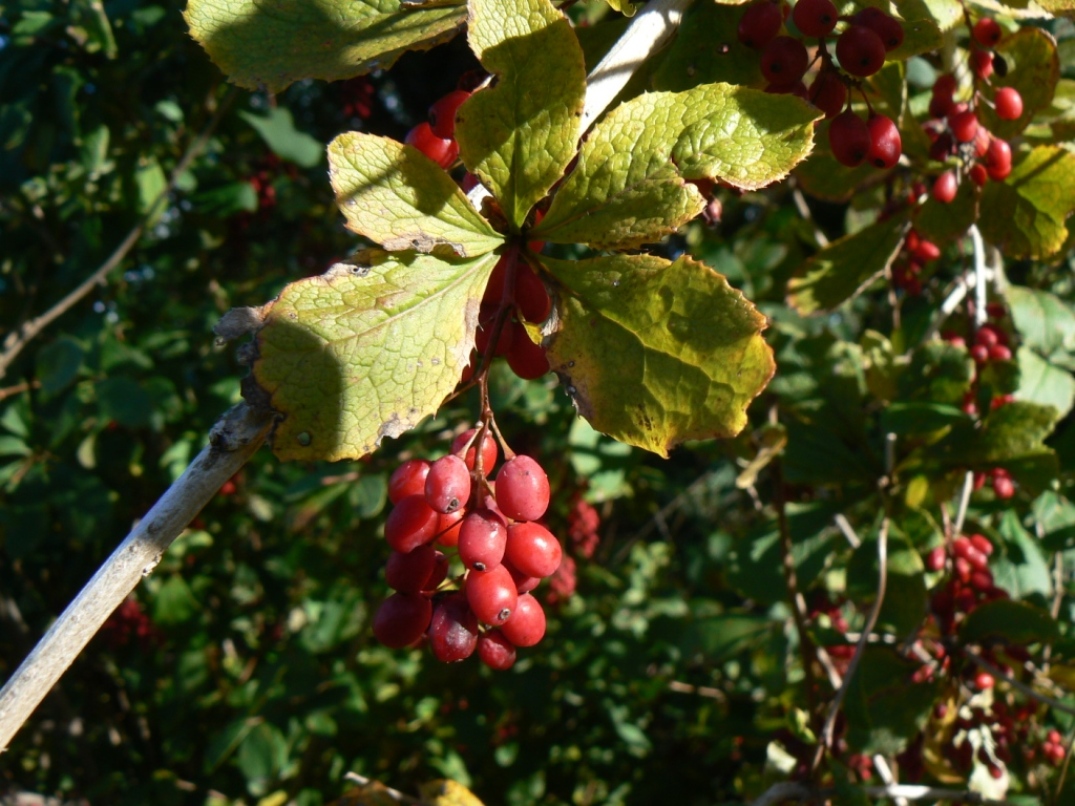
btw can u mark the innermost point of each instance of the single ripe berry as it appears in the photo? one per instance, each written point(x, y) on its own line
point(412, 523)
point(482, 540)
point(442, 113)
point(441, 150)
point(998, 159)
point(1009, 103)
point(410, 573)
point(524, 583)
point(987, 32)
point(453, 629)
point(860, 51)
point(496, 651)
point(936, 558)
point(448, 484)
point(492, 595)
point(522, 489)
point(784, 61)
point(982, 63)
point(849, 138)
point(402, 619)
point(886, 27)
point(489, 449)
point(526, 626)
point(885, 143)
point(815, 17)
point(760, 22)
point(978, 174)
point(964, 125)
point(526, 359)
point(531, 296)
point(408, 479)
point(533, 549)
point(828, 93)
point(448, 527)
point(945, 187)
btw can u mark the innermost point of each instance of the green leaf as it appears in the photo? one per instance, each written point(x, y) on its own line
point(629, 186)
point(1033, 69)
point(1044, 383)
point(921, 34)
point(1009, 621)
point(946, 13)
point(654, 353)
point(1021, 568)
point(519, 135)
point(58, 364)
point(398, 197)
point(1024, 215)
point(884, 709)
point(905, 604)
point(1044, 321)
point(920, 418)
point(124, 400)
point(272, 43)
point(845, 267)
point(278, 131)
point(367, 349)
point(942, 223)
point(174, 602)
point(707, 50)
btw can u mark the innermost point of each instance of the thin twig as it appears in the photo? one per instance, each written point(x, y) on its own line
point(980, 295)
point(846, 530)
point(864, 639)
point(17, 339)
point(964, 502)
point(395, 794)
point(232, 441)
point(702, 691)
point(880, 763)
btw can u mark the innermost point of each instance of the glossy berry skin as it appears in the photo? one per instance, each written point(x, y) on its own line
point(442, 151)
point(526, 359)
point(531, 296)
point(982, 63)
point(402, 619)
point(408, 479)
point(482, 540)
point(489, 449)
point(523, 582)
point(496, 651)
point(945, 187)
point(828, 93)
point(1008, 103)
point(998, 159)
point(760, 22)
point(522, 489)
point(849, 138)
point(815, 17)
point(533, 549)
point(978, 174)
point(453, 629)
point(442, 113)
point(410, 573)
point(448, 484)
point(448, 527)
point(885, 143)
point(987, 32)
point(526, 626)
point(784, 61)
point(860, 51)
point(964, 126)
point(886, 27)
point(412, 523)
point(492, 595)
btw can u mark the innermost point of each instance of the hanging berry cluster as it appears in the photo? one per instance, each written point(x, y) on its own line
point(861, 49)
point(504, 551)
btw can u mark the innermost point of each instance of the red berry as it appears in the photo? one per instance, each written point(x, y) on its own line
point(983, 680)
point(409, 573)
point(886, 27)
point(987, 32)
point(411, 524)
point(998, 159)
point(533, 550)
point(926, 251)
point(448, 484)
point(759, 24)
point(408, 479)
point(402, 619)
point(492, 595)
point(489, 449)
point(885, 143)
point(441, 150)
point(448, 527)
point(522, 489)
point(987, 335)
point(982, 63)
point(523, 582)
point(442, 113)
point(849, 138)
point(964, 125)
point(531, 296)
point(936, 558)
point(526, 626)
point(482, 539)
point(453, 629)
point(828, 93)
point(526, 359)
point(1009, 103)
point(978, 174)
point(815, 17)
point(784, 61)
point(860, 51)
point(1000, 352)
point(496, 651)
point(1003, 487)
point(980, 353)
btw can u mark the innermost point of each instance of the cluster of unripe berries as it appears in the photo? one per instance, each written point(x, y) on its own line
point(955, 130)
point(436, 137)
point(861, 49)
point(449, 504)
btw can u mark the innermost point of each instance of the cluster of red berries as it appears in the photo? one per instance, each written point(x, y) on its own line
point(436, 137)
point(861, 49)
point(505, 552)
point(955, 130)
point(1052, 748)
point(907, 269)
point(969, 583)
point(515, 294)
point(129, 624)
point(583, 523)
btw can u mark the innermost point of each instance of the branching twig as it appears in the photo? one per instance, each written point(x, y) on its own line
point(17, 339)
point(232, 441)
point(871, 621)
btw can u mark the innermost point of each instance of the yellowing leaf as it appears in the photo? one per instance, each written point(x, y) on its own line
point(366, 350)
point(447, 793)
point(393, 194)
point(629, 188)
point(519, 134)
point(1024, 215)
point(1033, 69)
point(273, 43)
point(655, 353)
